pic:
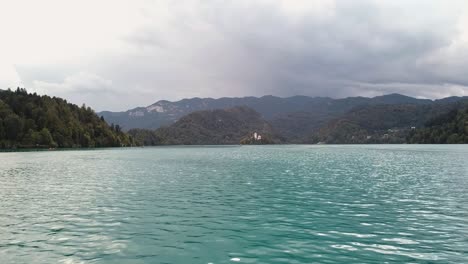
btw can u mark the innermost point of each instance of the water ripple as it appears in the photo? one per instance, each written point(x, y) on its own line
point(252, 204)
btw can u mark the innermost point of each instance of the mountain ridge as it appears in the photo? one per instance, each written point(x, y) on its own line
point(210, 127)
point(164, 112)
point(367, 124)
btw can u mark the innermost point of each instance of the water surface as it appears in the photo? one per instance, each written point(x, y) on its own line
point(249, 204)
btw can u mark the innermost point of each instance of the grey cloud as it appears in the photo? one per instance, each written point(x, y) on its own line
point(266, 49)
point(239, 48)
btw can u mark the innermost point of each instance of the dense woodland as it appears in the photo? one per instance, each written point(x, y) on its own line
point(449, 128)
point(210, 127)
point(380, 124)
point(33, 121)
point(145, 137)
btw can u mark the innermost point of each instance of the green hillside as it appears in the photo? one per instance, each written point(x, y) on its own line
point(33, 121)
point(210, 127)
point(226, 126)
point(378, 124)
point(449, 128)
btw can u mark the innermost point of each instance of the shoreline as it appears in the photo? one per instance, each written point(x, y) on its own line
point(17, 150)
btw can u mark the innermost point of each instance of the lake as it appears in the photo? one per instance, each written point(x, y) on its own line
point(236, 204)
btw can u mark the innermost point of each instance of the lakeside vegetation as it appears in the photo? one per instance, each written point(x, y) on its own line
point(28, 120)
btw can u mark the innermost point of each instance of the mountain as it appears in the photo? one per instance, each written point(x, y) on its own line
point(379, 123)
point(299, 111)
point(164, 113)
point(211, 127)
point(395, 98)
point(32, 121)
point(451, 128)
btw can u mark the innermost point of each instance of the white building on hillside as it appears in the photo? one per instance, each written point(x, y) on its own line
point(257, 136)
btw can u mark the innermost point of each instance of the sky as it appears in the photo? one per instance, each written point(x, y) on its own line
point(119, 54)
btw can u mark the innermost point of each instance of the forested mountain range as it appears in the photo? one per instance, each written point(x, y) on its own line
point(301, 119)
point(290, 116)
point(33, 121)
point(380, 123)
point(371, 124)
point(451, 128)
point(211, 127)
point(310, 111)
point(375, 124)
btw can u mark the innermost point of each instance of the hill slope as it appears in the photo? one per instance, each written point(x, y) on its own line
point(301, 112)
point(448, 128)
point(368, 123)
point(379, 123)
point(209, 127)
point(30, 120)
point(163, 113)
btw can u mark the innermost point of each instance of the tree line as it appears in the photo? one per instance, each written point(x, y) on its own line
point(29, 120)
point(449, 128)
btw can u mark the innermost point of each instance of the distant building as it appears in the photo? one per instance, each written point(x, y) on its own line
point(257, 136)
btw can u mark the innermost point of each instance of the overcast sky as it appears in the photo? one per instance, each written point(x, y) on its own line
point(115, 55)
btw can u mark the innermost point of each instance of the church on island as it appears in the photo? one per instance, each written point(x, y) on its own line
point(257, 136)
point(256, 139)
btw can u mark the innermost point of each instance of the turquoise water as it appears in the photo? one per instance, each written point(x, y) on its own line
point(249, 204)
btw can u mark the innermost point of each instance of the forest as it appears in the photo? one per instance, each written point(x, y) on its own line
point(449, 128)
point(29, 120)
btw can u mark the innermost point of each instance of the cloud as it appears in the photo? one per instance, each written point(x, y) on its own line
point(268, 48)
point(82, 87)
point(427, 91)
point(81, 82)
point(9, 77)
point(166, 49)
